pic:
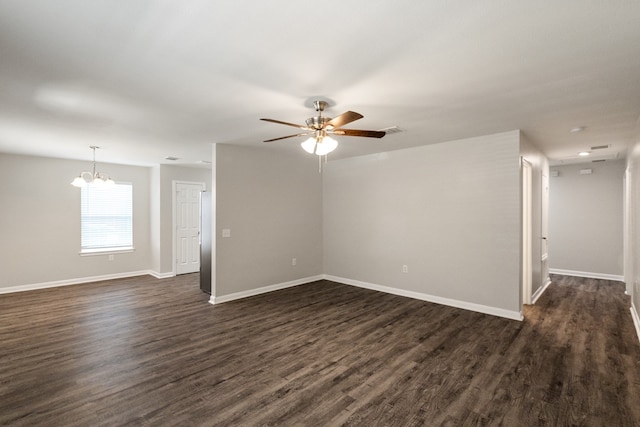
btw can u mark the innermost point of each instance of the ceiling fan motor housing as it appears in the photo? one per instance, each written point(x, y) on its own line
point(318, 122)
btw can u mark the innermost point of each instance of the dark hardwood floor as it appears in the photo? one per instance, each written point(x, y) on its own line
point(143, 351)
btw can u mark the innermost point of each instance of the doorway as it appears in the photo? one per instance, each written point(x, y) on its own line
point(187, 226)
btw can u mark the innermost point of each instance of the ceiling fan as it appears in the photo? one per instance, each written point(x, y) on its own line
point(320, 127)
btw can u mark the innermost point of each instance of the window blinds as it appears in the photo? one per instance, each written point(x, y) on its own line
point(106, 216)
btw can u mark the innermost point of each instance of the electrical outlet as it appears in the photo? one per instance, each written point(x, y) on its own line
point(226, 232)
point(405, 268)
point(294, 261)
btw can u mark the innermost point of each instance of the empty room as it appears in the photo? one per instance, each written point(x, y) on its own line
point(341, 213)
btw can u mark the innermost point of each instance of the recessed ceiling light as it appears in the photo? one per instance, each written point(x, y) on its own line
point(584, 153)
point(577, 129)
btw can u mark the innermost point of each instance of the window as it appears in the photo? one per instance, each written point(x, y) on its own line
point(106, 218)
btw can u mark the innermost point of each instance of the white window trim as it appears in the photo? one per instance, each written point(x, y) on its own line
point(110, 251)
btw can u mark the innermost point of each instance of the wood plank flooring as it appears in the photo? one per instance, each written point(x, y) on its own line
point(143, 351)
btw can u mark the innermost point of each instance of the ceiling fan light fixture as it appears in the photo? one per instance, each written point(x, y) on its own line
point(326, 145)
point(309, 145)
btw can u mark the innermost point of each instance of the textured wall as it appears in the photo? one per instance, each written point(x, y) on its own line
point(272, 203)
point(450, 212)
point(586, 218)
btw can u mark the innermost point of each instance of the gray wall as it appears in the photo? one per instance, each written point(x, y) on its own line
point(155, 219)
point(586, 219)
point(272, 203)
point(40, 222)
point(451, 212)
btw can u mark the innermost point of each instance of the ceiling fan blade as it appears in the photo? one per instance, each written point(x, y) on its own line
point(285, 137)
point(344, 118)
point(358, 132)
point(286, 123)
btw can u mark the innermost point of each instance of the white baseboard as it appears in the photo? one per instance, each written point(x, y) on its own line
point(494, 311)
point(252, 292)
point(636, 319)
point(617, 278)
point(537, 294)
point(78, 281)
point(162, 275)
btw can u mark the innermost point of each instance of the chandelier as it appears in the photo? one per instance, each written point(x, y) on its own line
point(92, 178)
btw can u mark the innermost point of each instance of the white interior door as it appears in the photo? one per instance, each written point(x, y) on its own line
point(188, 227)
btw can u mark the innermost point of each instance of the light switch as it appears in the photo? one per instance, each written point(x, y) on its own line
point(226, 232)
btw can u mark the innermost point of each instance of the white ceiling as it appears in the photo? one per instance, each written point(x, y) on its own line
point(145, 79)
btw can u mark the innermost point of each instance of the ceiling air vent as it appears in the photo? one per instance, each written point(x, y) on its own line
point(601, 147)
point(172, 158)
point(598, 161)
point(392, 129)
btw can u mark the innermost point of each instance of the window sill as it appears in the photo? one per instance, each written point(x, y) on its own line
point(110, 251)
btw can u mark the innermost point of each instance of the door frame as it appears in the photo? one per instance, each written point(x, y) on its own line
point(544, 229)
point(627, 233)
point(174, 219)
point(527, 232)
